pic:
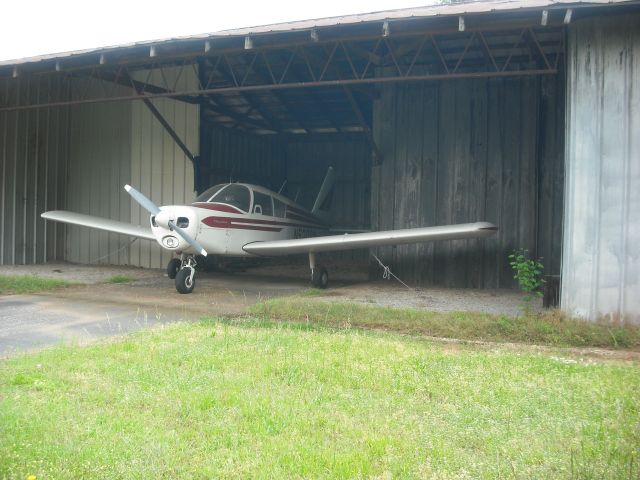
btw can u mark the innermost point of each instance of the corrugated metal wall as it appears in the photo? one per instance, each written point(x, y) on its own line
point(464, 151)
point(601, 254)
point(99, 165)
point(159, 168)
point(117, 143)
point(33, 169)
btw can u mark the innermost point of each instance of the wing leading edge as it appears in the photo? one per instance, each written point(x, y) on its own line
point(99, 223)
point(334, 243)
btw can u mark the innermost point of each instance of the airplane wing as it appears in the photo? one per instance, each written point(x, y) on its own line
point(99, 223)
point(333, 243)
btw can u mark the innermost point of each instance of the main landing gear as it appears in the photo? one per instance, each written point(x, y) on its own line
point(319, 274)
point(183, 270)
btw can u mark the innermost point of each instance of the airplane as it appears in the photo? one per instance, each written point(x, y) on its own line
point(244, 220)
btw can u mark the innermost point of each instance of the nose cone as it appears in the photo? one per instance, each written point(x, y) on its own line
point(183, 217)
point(164, 217)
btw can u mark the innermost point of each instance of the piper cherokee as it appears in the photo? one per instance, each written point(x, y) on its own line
point(243, 220)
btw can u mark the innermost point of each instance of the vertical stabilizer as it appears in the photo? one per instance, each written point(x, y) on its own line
point(325, 189)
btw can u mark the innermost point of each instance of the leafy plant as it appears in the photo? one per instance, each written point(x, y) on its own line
point(528, 273)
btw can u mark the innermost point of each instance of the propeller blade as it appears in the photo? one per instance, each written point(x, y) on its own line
point(188, 238)
point(144, 202)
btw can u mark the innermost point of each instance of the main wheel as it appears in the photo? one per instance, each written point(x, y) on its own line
point(173, 267)
point(184, 282)
point(320, 277)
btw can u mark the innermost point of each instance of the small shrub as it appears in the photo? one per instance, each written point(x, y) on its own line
point(528, 273)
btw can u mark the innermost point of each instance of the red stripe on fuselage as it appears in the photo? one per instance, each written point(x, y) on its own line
point(229, 222)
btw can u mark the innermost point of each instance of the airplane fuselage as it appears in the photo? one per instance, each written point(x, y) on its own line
point(225, 228)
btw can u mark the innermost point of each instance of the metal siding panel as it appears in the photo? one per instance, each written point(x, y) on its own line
point(601, 270)
point(4, 135)
point(97, 133)
point(25, 186)
point(159, 168)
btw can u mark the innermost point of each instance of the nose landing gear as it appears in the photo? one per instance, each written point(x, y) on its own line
point(184, 272)
point(173, 267)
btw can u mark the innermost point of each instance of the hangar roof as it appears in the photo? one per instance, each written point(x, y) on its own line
point(429, 11)
point(311, 76)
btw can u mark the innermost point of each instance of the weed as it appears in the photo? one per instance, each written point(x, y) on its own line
point(120, 279)
point(528, 273)
point(551, 328)
point(21, 284)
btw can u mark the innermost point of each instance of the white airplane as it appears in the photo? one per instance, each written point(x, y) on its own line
point(243, 220)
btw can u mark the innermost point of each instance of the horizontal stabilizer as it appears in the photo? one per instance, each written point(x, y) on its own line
point(99, 223)
point(332, 243)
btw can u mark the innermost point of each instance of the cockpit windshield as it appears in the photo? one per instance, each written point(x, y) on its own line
point(236, 195)
point(210, 192)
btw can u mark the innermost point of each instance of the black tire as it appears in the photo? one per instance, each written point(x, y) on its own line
point(173, 267)
point(320, 278)
point(183, 282)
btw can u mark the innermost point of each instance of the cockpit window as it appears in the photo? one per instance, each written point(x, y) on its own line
point(237, 195)
point(209, 192)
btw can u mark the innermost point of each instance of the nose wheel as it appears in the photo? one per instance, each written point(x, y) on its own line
point(185, 278)
point(173, 267)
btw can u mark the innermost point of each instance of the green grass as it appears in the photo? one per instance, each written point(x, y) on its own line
point(254, 399)
point(120, 279)
point(21, 284)
point(550, 329)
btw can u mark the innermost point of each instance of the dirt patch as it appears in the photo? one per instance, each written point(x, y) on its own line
point(230, 293)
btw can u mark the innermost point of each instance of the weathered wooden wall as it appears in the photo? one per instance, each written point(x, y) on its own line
point(228, 155)
point(302, 160)
point(465, 151)
point(350, 156)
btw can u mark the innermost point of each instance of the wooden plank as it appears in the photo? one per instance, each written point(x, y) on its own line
point(528, 175)
point(477, 186)
point(510, 227)
point(429, 178)
point(493, 180)
point(387, 172)
point(446, 165)
point(461, 182)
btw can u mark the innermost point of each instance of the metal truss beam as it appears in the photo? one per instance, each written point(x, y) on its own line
point(429, 56)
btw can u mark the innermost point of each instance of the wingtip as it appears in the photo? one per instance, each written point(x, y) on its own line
point(127, 187)
point(203, 252)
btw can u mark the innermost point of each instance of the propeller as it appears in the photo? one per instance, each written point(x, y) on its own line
point(153, 209)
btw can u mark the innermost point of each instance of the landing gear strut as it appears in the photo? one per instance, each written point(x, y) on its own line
point(319, 274)
point(186, 276)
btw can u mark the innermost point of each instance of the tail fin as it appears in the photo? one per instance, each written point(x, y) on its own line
point(325, 190)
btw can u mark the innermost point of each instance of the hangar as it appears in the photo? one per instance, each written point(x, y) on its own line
point(522, 113)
